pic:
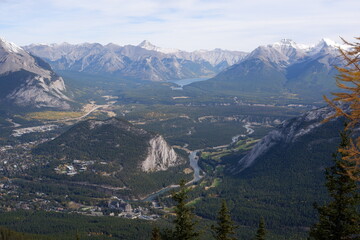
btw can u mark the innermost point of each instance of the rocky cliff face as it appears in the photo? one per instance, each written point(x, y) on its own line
point(287, 133)
point(26, 80)
point(160, 157)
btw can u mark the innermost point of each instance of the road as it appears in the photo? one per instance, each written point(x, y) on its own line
point(83, 116)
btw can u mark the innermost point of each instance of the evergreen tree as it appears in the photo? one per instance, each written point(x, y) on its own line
point(155, 235)
point(184, 220)
point(340, 218)
point(260, 233)
point(225, 226)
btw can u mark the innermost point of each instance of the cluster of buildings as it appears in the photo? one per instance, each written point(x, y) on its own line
point(120, 208)
point(74, 168)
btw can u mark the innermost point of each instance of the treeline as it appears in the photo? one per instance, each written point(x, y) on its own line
point(339, 218)
point(185, 222)
point(7, 234)
point(63, 226)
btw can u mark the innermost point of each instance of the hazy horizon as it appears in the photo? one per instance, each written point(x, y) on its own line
point(187, 25)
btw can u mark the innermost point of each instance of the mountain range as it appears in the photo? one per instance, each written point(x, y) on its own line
point(283, 67)
point(144, 61)
point(27, 80)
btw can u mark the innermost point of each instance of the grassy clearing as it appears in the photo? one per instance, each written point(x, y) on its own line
point(52, 115)
point(216, 182)
point(246, 144)
point(193, 202)
point(242, 145)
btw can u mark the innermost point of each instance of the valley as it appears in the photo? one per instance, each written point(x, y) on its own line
point(185, 127)
point(114, 143)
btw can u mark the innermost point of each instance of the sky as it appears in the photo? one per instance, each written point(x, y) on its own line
point(182, 24)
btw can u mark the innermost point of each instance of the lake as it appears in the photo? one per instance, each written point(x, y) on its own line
point(183, 82)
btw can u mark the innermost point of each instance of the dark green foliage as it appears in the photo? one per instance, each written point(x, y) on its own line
point(225, 228)
point(64, 226)
point(281, 185)
point(7, 234)
point(260, 233)
point(184, 220)
point(339, 218)
point(115, 147)
point(109, 141)
point(155, 235)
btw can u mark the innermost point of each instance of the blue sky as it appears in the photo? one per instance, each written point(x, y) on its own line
point(182, 24)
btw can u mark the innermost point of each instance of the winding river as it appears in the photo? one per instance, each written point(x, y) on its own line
point(194, 159)
point(194, 163)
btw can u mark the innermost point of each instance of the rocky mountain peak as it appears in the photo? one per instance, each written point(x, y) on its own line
point(37, 84)
point(147, 45)
point(151, 47)
point(328, 43)
point(9, 46)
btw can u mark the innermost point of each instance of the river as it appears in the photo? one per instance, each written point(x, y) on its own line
point(249, 131)
point(194, 163)
point(194, 160)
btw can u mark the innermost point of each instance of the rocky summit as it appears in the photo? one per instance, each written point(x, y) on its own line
point(28, 81)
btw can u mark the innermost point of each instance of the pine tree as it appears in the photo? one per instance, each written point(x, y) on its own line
point(340, 218)
point(225, 226)
point(261, 232)
point(155, 235)
point(184, 220)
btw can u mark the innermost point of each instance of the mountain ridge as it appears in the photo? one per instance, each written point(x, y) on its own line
point(282, 68)
point(144, 61)
point(28, 81)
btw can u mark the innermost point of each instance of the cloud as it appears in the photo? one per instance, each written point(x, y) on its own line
point(186, 24)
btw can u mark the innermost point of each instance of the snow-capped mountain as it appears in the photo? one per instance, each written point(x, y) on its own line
point(287, 52)
point(282, 67)
point(281, 53)
point(26, 80)
point(144, 61)
point(149, 46)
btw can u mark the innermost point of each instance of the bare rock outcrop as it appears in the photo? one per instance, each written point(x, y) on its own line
point(28, 81)
point(161, 156)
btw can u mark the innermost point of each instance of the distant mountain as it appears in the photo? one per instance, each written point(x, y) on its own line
point(281, 68)
point(145, 61)
point(28, 81)
point(112, 152)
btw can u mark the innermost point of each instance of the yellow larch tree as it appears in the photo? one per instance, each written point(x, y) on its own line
point(348, 80)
